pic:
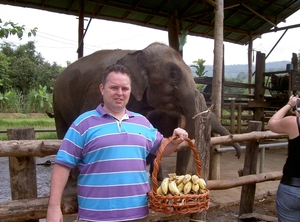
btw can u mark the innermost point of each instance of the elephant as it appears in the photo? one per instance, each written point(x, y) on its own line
point(160, 80)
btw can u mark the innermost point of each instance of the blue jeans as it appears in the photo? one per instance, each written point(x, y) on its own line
point(288, 203)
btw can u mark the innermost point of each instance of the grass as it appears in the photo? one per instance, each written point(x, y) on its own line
point(38, 121)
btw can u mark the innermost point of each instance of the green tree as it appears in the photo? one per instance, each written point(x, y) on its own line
point(242, 77)
point(11, 28)
point(5, 82)
point(24, 70)
point(199, 66)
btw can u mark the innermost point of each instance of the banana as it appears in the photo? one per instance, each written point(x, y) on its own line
point(172, 176)
point(159, 191)
point(179, 179)
point(187, 178)
point(195, 179)
point(165, 185)
point(173, 188)
point(195, 187)
point(201, 191)
point(202, 183)
point(187, 187)
point(180, 187)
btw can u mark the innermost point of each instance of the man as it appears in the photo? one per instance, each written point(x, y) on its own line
point(109, 145)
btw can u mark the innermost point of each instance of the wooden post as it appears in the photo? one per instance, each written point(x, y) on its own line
point(250, 165)
point(239, 119)
point(22, 169)
point(259, 90)
point(80, 29)
point(174, 31)
point(202, 142)
point(232, 117)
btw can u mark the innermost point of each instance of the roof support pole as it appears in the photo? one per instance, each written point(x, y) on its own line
point(214, 172)
point(173, 32)
point(250, 53)
point(80, 29)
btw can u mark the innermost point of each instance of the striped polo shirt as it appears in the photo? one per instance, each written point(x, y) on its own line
point(111, 156)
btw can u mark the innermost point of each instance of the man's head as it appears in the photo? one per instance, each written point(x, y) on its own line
point(115, 89)
point(114, 68)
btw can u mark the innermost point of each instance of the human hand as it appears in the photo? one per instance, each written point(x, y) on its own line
point(182, 135)
point(293, 100)
point(54, 214)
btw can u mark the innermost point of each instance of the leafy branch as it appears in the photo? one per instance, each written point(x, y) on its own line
point(10, 28)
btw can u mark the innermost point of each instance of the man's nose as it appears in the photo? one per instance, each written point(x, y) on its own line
point(119, 91)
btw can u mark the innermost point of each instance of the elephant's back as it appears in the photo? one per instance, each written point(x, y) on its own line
point(76, 89)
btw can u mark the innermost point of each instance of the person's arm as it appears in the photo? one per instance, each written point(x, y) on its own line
point(172, 146)
point(281, 124)
point(59, 178)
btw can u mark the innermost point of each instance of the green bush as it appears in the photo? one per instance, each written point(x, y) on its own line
point(39, 101)
point(11, 101)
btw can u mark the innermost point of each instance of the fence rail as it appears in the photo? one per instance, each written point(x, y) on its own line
point(35, 208)
point(36, 131)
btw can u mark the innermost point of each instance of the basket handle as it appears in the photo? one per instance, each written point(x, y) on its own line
point(157, 160)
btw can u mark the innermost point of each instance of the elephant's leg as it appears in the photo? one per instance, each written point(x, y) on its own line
point(182, 162)
point(149, 161)
point(165, 122)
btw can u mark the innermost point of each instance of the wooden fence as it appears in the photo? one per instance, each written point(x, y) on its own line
point(28, 206)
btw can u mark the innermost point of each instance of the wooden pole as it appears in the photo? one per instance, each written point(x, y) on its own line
point(22, 169)
point(174, 31)
point(217, 75)
point(259, 90)
point(250, 165)
point(80, 29)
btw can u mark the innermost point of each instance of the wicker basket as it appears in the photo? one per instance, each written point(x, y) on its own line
point(181, 204)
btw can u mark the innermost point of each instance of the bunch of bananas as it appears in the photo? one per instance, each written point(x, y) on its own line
point(184, 184)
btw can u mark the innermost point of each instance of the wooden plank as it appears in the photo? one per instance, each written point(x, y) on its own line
point(254, 104)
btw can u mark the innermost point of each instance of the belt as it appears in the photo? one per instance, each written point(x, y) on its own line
point(291, 181)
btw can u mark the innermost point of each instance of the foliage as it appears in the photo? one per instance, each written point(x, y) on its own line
point(26, 68)
point(200, 68)
point(39, 101)
point(10, 28)
point(4, 72)
point(25, 71)
point(11, 101)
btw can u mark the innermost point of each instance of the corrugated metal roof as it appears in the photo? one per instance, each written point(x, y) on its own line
point(241, 17)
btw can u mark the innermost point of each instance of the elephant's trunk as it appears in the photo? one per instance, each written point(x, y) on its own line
point(219, 129)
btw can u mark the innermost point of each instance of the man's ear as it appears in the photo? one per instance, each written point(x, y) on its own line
point(101, 87)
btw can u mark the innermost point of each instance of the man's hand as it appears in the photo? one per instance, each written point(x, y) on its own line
point(182, 135)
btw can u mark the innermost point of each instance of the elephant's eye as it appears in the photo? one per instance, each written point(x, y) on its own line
point(175, 75)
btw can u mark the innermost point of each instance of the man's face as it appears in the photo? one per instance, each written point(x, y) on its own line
point(116, 92)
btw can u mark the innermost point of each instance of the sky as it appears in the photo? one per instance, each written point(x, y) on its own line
point(57, 38)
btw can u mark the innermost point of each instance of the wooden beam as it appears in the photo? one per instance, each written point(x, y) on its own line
point(211, 2)
point(240, 181)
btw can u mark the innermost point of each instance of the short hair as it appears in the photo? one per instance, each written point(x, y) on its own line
point(114, 68)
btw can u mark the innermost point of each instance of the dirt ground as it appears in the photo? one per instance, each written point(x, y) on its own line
point(263, 206)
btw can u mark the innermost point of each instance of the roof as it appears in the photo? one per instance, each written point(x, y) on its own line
point(241, 17)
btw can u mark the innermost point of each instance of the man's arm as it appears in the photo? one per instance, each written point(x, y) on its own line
point(59, 178)
point(172, 146)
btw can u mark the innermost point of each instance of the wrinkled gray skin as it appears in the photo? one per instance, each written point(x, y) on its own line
point(160, 81)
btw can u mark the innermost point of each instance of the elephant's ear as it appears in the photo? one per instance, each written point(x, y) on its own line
point(135, 62)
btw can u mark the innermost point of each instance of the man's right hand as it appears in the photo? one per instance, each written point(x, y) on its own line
point(54, 214)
